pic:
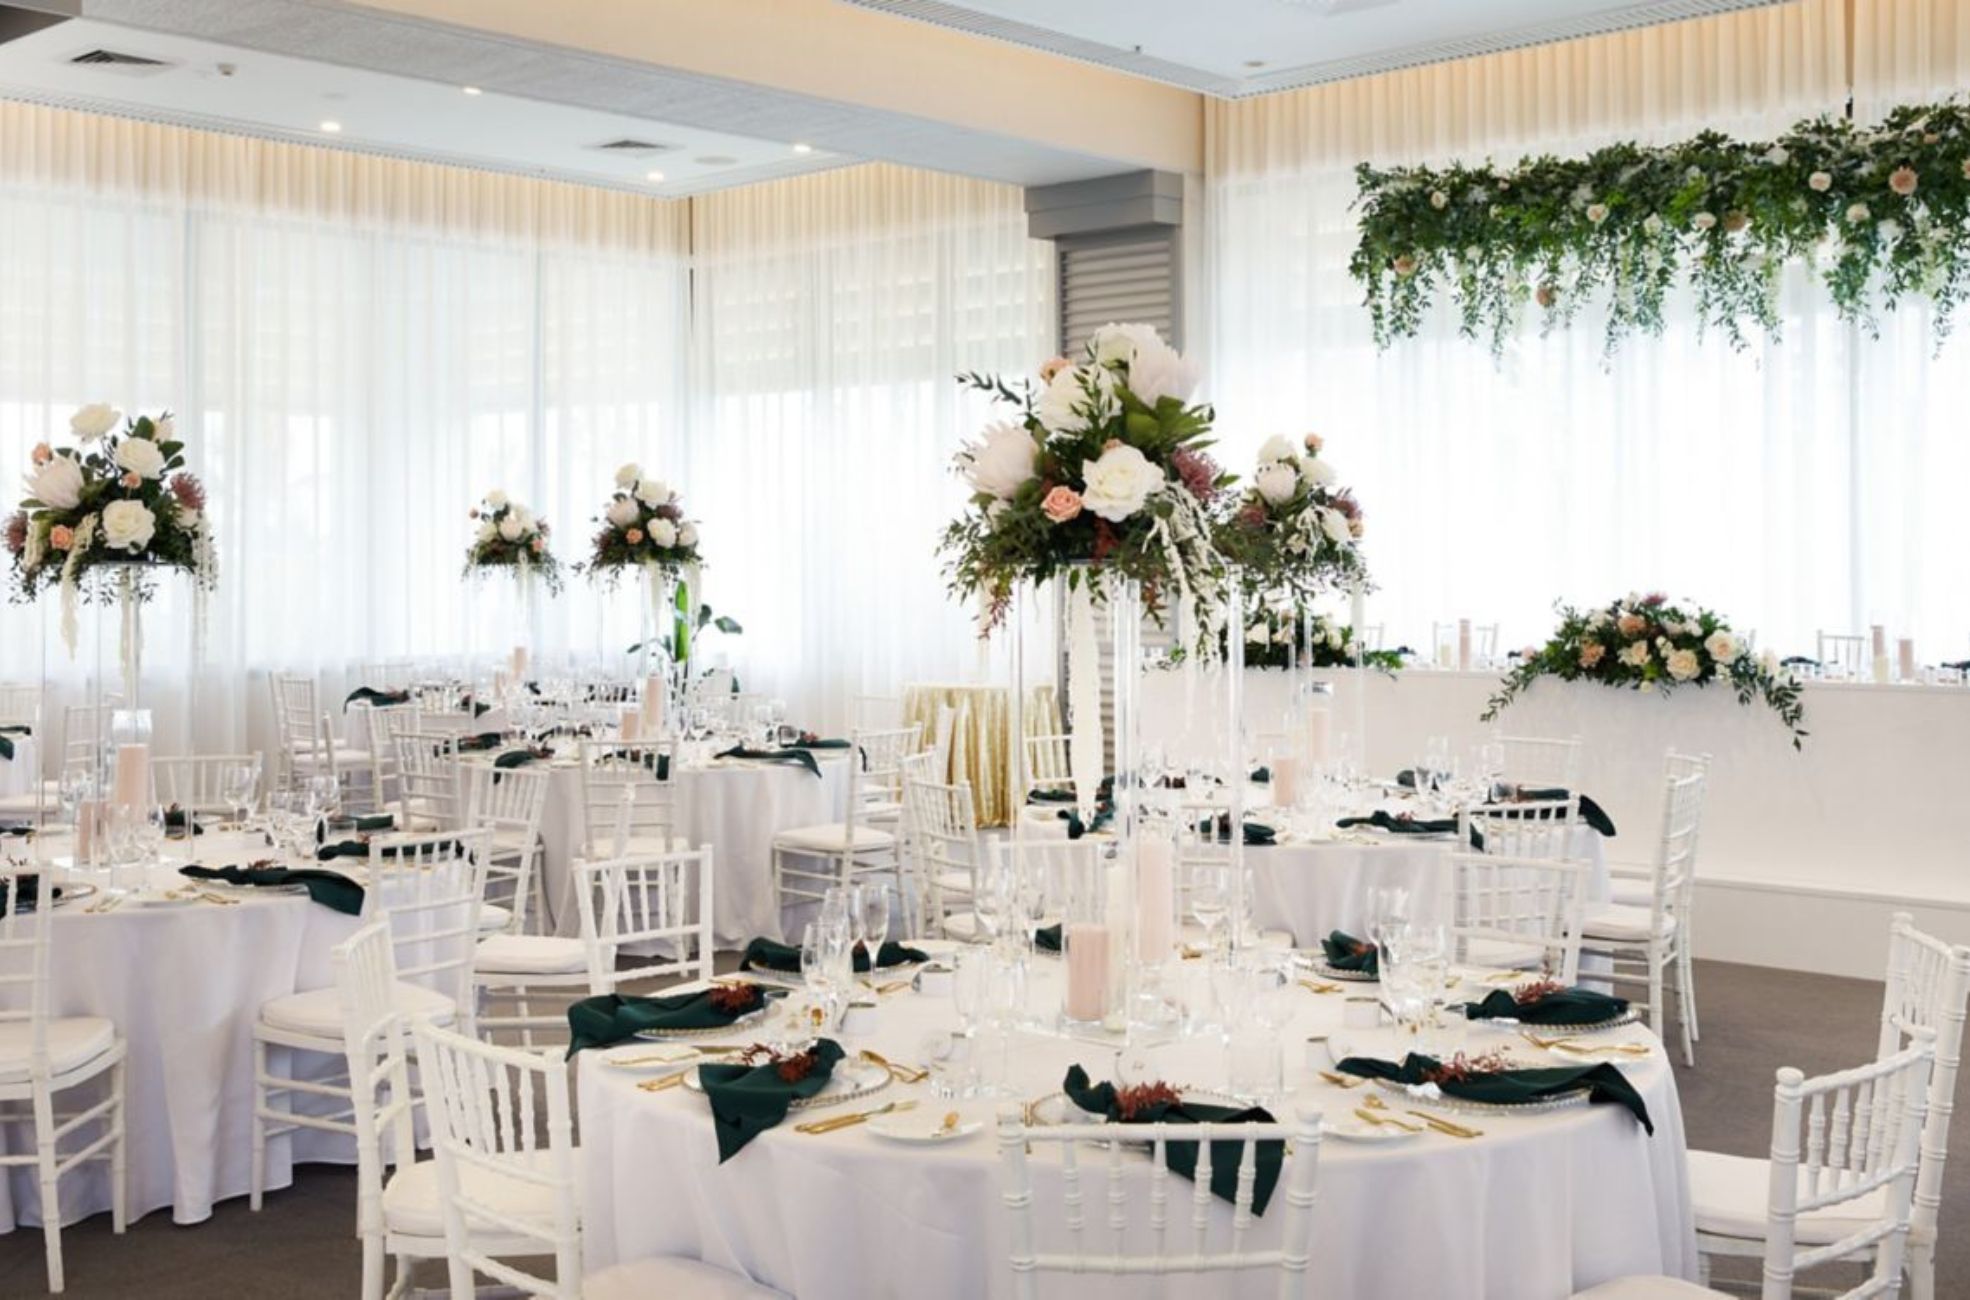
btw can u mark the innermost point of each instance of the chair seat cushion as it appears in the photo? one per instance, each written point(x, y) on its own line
point(832, 838)
point(671, 1275)
point(530, 954)
point(954, 883)
point(343, 758)
point(635, 846)
point(1729, 1194)
point(1631, 893)
point(318, 1012)
point(1502, 954)
point(509, 840)
point(1621, 921)
point(72, 1041)
point(1647, 1288)
point(494, 917)
point(412, 1206)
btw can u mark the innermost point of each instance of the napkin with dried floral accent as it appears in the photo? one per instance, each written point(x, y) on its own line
point(767, 954)
point(755, 1093)
point(1158, 1103)
point(375, 698)
point(1402, 823)
point(329, 888)
point(1345, 952)
point(797, 756)
point(1492, 1080)
point(1547, 1003)
point(613, 1017)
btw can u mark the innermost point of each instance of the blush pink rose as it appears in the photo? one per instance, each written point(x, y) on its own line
point(1631, 624)
point(1902, 181)
point(633, 536)
point(1062, 504)
point(1314, 443)
point(43, 453)
point(1591, 654)
point(133, 480)
point(61, 537)
point(1050, 368)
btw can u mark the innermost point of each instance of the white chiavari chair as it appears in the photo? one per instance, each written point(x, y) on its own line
point(20, 716)
point(306, 739)
point(944, 836)
point(1484, 643)
point(1517, 913)
point(1042, 866)
point(85, 735)
point(1047, 766)
point(1528, 828)
point(1841, 655)
point(510, 803)
point(1646, 942)
point(1371, 636)
point(916, 895)
point(430, 780)
point(655, 906)
point(1542, 761)
point(880, 755)
point(646, 821)
point(809, 860)
point(427, 889)
point(388, 674)
point(197, 782)
point(42, 1056)
point(507, 1168)
point(375, 729)
point(1107, 1230)
point(1838, 1187)
point(20, 705)
point(943, 737)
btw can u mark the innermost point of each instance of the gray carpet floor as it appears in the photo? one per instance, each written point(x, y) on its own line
point(302, 1244)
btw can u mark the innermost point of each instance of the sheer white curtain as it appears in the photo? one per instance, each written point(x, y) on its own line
point(831, 314)
point(1768, 483)
point(357, 349)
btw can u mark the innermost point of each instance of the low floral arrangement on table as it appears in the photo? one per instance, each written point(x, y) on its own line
point(643, 525)
point(1293, 531)
point(1880, 213)
point(1644, 643)
point(1103, 466)
point(1271, 637)
point(510, 536)
point(112, 499)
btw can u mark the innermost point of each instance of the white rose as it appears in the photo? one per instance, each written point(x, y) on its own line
point(1652, 223)
point(1315, 472)
point(1160, 371)
point(93, 421)
point(1439, 200)
point(57, 483)
point(623, 513)
point(1723, 647)
point(140, 456)
point(1334, 638)
point(626, 476)
point(1635, 654)
point(1257, 633)
point(510, 527)
point(1857, 214)
point(652, 491)
point(527, 520)
point(496, 500)
point(1118, 483)
point(1001, 461)
point(1277, 447)
point(128, 525)
point(1778, 155)
point(486, 532)
point(1335, 525)
point(1704, 220)
point(1597, 212)
point(1114, 345)
point(687, 534)
point(1277, 482)
point(1683, 665)
point(165, 427)
point(1067, 407)
point(663, 532)
point(1820, 182)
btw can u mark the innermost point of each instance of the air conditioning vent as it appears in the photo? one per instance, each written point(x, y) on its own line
point(633, 148)
point(136, 65)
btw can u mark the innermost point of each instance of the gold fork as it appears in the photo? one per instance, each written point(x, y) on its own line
point(1436, 1122)
point(1314, 986)
point(1390, 1121)
point(1574, 1044)
point(907, 1073)
point(660, 1085)
point(850, 1120)
point(1341, 1080)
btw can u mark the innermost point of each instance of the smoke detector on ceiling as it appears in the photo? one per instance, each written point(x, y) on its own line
point(120, 62)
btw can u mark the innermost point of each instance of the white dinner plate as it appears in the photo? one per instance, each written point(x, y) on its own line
point(653, 1058)
point(926, 1126)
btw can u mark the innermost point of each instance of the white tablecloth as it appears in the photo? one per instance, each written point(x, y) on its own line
point(735, 807)
point(17, 774)
point(1539, 1207)
point(184, 985)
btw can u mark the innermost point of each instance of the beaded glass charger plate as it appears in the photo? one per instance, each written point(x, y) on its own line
point(851, 1081)
point(748, 1021)
point(1559, 1101)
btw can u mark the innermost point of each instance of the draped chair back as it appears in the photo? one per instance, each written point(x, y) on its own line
point(1123, 1237)
point(1508, 911)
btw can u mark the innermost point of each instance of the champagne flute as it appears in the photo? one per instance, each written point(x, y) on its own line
point(872, 919)
point(1210, 899)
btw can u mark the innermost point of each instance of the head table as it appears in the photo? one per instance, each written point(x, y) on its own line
point(183, 980)
point(1537, 1207)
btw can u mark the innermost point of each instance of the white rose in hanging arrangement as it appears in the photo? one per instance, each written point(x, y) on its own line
point(1277, 482)
point(622, 512)
point(652, 491)
point(58, 483)
point(1315, 472)
point(687, 535)
point(626, 476)
point(1001, 461)
point(1277, 447)
point(1119, 482)
point(510, 527)
point(140, 456)
point(485, 532)
point(93, 421)
point(663, 533)
point(128, 525)
point(1076, 399)
point(1335, 525)
point(496, 499)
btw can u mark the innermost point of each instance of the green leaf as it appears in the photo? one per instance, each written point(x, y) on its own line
point(729, 625)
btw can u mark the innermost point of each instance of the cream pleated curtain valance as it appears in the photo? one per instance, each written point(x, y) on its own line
point(148, 161)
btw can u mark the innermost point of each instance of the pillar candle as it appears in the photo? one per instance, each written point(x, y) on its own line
point(131, 788)
point(88, 815)
point(1905, 658)
point(518, 663)
point(1880, 639)
point(654, 702)
point(1087, 945)
point(1155, 898)
point(1319, 729)
point(1463, 645)
point(1285, 780)
point(630, 726)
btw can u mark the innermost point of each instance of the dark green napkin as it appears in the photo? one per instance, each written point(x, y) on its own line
point(767, 954)
point(1345, 952)
point(1262, 775)
point(1047, 938)
point(746, 1100)
point(1574, 1006)
point(328, 888)
point(1603, 1082)
point(480, 743)
point(178, 819)
point(378, 699)
point(515, 758)
point(1401, 824)
point(799, 756)
point(613, 1017)
point(30, 894)
point(1181, 1157)
point(1256, 833)
point(357, 849)
point(819, 742)
point(651, 760)
point(1803, 661)
point(366, 824)
point(6, 741)
point(1076, 828)
point(1049, 795)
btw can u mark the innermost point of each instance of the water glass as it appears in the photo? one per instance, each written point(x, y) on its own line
point(872, 902)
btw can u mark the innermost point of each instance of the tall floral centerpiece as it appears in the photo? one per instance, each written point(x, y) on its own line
point(102, 516)
point(507, 537)
point(1644, 643)
point(643, 528)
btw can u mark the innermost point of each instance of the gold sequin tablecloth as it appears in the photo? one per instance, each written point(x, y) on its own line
point(982, 736)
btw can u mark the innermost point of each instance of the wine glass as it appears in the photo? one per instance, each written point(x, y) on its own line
point(1033, 873)
point(1210, 899)
point(968, 979)
point(237, 782)
point(155, 828)
point(872, 902)
point(815, 973)
point(1005, 1006)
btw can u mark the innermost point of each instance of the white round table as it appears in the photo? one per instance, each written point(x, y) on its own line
point(184, 984)
point(1538, 1207)
point(734, 806)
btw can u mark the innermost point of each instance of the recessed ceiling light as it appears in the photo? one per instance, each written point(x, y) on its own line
point(331, 126)
point(471, 90)
point(653, 176)
point(803, 148)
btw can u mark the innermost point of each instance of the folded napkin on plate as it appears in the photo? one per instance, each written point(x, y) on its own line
point(1048, 794)
point(30, 894)
point(1402, 823)
point(1262, 775)
point(1256, 833)
point(1573, 1006)
point(767, 954)
point(366, 824)
point(480, 743)
point(1181, 1157)
point(799, 756)
point(612, 1017)
point(1603, 1082)
point(1047, 938)
point(331, 889)
point(746, 1100)
point(380, 699)
point(178, 819)
point(1345, 952)
point(808, 740)
point(1591, 813)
